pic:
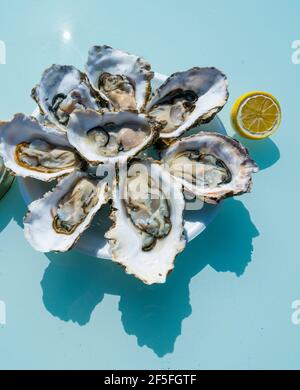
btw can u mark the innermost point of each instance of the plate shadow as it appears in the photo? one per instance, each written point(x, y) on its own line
point(73, 284)
point(12, 207)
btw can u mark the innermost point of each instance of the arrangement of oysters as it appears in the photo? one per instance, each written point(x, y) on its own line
point(109, 117)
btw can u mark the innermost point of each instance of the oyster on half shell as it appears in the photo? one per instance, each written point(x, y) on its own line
point(187, 99)
point(122, 77)
point(63, 89)
point(30, 149)
point(110, 137)
point(210, 165)
point(147, 216)
point(56, 222)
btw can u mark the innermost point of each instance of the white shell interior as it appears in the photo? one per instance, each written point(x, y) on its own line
point(62, 79)
point(214, 95)
point(159, 261)
point(13, 135)
point(38, 222)
point(82, 121)
point(115, 61)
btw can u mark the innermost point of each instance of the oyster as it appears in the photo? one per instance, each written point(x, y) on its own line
point(187, 99)
point(123, 78)
point(111, 137)
point(55, 222)
point(210, 165)
point(62, 90)
point(34, 150)
point(148, 221)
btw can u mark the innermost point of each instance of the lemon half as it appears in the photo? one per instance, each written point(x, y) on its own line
point(256, 115)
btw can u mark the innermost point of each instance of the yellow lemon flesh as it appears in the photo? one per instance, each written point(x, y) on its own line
point(256, 115)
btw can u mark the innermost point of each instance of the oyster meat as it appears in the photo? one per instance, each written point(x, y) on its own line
point(31, 149)
point(55, 222)
point(147, 215)
point(110, 137)
point(123, 78)
point(210, 165)
point(62, 90)
point(187, 99)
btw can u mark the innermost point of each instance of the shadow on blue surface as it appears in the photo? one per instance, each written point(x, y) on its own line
point(264, 152)
point(12, 207)
point(73, 284)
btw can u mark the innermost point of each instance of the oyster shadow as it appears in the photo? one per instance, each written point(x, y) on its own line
point(12, 207)
point(73, 284)
point(264, 152)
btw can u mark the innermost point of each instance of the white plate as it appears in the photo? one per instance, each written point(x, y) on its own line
point(92, 241)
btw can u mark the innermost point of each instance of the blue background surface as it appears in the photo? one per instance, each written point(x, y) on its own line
point(228, 302)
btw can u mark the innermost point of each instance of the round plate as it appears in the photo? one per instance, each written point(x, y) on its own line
point(92, 242)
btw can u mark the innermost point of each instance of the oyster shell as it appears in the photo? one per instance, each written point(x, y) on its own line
point(63, 89)
point(210, 165)
point(30, 149)
point(111, 137)
point(123, 78)
point(148, 221)
point(56, 222)
point(187, 99)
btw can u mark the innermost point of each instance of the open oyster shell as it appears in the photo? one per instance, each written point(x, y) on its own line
point(110, 137)
point(123, 78)
point(210, 165)
point(147, 233)
point(187, 99)
point(30, 149)
point(56, 222)
point(63, 89)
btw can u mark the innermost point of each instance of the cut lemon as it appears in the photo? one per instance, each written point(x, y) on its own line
point(256, 115)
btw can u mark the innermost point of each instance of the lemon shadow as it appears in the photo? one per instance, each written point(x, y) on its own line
point(264, 152)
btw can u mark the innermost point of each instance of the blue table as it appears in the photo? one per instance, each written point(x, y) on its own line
point(228, 302)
